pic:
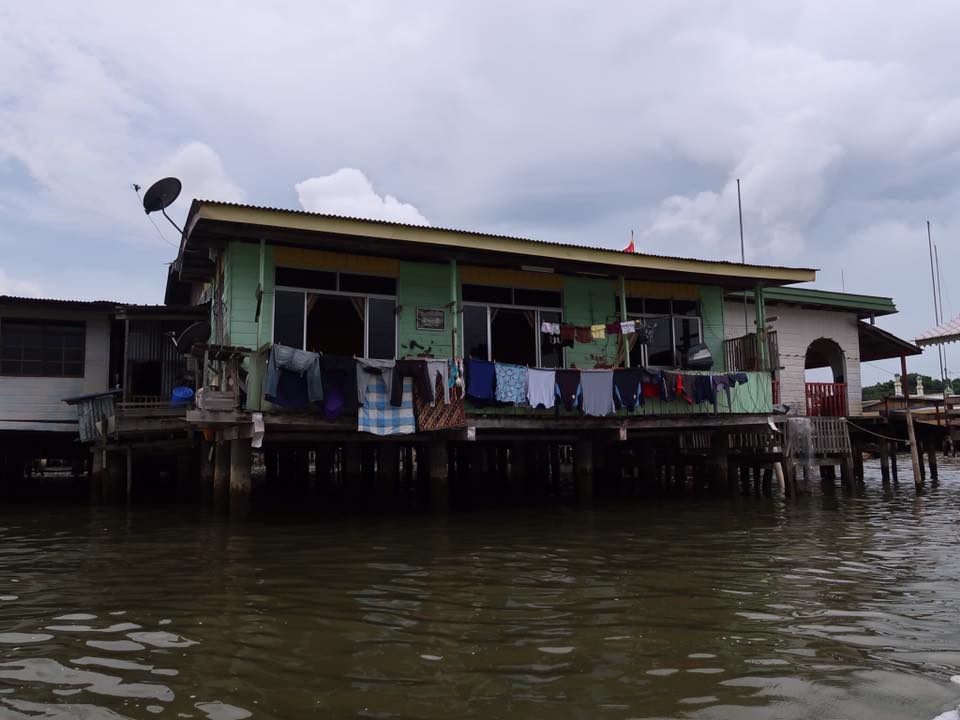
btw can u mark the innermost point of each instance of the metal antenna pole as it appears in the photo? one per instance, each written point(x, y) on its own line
point(743, 257)
point(933, 278)
point(945, 371)
point(933, 284)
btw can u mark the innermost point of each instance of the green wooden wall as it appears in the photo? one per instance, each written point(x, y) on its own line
point(589, 301)
point(428, 286)
point(711, 309)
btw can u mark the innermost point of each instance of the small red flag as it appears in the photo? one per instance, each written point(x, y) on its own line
point(630, 248)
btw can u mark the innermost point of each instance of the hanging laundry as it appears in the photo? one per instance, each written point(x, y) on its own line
point(583, 335)
point(300, 362)
point(550, 328)
point(291, 391)
point(511, 383)
point(541, 387)
point(651, 384)
point(626, 386)
point(339, 379)
point(480, 375)
point(441, 369)
point(613, 328)
point(628, 326)
point(722, 382)
point(568, 388)
point(703, 390)
point(567, 333)
point(379, 416)
point(370, 369)
point(597, 388)
point(645, 332)
point(598, 332)
point(416, 369)
point(439, 415)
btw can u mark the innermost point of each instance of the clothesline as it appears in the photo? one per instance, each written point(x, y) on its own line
point(400, 396)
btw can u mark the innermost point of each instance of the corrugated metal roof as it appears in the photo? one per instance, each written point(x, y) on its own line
point(948, 332)
point(864, 305)
point(105, 305)
point(390, 223)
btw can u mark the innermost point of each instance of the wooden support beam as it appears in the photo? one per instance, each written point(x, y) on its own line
point(893, 463)
point(439, 476)
point(911, 432)
point(207, 451)
point(583, 459)
point(240, 484)
point(885, 461)
point(388, 476)
point(932, 459)
point(221, 469)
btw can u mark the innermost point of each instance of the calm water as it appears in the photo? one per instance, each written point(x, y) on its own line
point(834, 607)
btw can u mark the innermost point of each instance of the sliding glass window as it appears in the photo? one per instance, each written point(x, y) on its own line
point(677, 327)
point(503, 324)
point(336, 313)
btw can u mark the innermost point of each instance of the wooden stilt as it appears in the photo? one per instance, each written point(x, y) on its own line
point(884, 461)
point(518, 472)
point(439, 479)
point(583, 457)
point(388, 475)
point(920, 460)
point(894, 474)
point(113, 476)
point(352, 471)
point(932, 459)
point(858, 464)
point(221, 469)
point(719, 460)
point(206, 467)
point(240, 484)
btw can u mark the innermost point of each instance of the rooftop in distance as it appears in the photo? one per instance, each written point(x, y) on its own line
point(212, 224)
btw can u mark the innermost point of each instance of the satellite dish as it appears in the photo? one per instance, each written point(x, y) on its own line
point(199, 332)
point(161, 195)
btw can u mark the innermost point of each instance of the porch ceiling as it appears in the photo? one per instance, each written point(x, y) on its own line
point(212, 225)
point(877, 344)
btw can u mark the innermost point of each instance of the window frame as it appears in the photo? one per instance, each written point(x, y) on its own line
point(536, 328)
point(43, 323)
point(672, 317)
point(339, 293)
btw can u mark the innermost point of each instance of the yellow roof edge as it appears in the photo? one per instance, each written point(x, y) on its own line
point(299, 220)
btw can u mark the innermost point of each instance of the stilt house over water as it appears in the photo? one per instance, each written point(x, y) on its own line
point(370, 289)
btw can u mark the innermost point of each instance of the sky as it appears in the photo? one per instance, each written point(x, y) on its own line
point(565, 121)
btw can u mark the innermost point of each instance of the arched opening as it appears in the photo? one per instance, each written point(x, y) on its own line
point(825, 377)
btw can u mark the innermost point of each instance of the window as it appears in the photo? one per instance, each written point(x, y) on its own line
point(41, 348)
point(503, 324)
point(288, 318)
point(346, 320)
point(677, 327)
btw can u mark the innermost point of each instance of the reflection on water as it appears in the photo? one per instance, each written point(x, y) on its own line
point(832, 606)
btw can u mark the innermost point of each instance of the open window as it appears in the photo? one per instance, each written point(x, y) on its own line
point(336, 313)
point(676, 326)
point(503, 324)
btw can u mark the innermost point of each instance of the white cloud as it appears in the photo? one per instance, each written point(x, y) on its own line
point(200, 169)
point(349, 192)
point(22, 288)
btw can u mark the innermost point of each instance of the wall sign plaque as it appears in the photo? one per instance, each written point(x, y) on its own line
point(430, 318)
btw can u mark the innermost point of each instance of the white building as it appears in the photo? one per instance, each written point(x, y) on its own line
point(819, 340)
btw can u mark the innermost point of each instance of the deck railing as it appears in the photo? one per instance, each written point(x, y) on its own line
point(826, 399)
point(742, 353)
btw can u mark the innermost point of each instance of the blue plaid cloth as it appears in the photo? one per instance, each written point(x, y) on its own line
point(379, 417)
